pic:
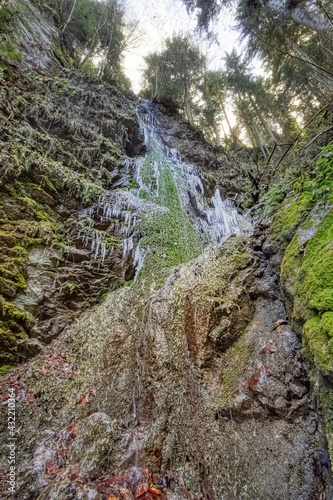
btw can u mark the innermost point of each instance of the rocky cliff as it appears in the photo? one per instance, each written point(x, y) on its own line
point(143, 321)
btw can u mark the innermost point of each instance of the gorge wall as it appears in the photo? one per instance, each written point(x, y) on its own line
point(143, 323)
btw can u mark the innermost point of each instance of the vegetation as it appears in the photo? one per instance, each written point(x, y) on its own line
point(91, 28)
point(170, 238)
point(295, 47)
point(176, 73)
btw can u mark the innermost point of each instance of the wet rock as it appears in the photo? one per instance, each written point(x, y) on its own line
point(7, 288)
point(39, 32)
point(168, 384)
point(42, 197)
point(270, 249)
point(77, 255)
point(92, 445)
point(7, 240)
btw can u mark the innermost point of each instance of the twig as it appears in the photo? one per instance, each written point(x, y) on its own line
point(287, 53)
point(318, 135)
point(325, 11)
point(300, 133)
point(271, 154)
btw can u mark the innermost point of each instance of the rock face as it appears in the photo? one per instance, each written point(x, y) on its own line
point(189, 384)
point(302, 228)
point(63, 138)
point(201, 383)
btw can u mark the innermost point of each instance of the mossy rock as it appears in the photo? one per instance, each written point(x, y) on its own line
point(292, 212)
point(320, 344)
point(307, 277)
point(170, 238)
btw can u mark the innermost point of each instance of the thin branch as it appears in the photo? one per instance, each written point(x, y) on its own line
point(318, 135)
point(300, 133)
point(287, 53)
point(325, 11)
point(69, 17)
point(271, 154)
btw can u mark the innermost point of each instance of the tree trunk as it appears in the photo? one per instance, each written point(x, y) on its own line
point(263, 147)
point(226, 116)
point(69, 17)
point(325, 79)
point(315, 22)
point(223, 130)
point(263, 122)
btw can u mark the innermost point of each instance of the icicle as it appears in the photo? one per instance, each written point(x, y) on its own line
point(216, 222)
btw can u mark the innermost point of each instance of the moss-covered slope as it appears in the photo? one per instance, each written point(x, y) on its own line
point(63, 138)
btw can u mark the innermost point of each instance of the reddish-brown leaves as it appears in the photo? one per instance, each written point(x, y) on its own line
point(52, 469)
point(142, 489)
point(83, 398)
point(56, 364)
point(267, 349)
point(253, 382)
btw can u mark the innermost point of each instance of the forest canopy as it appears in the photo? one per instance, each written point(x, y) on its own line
point(293, 40)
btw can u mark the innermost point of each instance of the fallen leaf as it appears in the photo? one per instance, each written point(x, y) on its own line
point(81, 398)
point(155, 490)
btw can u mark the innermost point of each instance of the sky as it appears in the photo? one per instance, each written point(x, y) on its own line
point(160, 19)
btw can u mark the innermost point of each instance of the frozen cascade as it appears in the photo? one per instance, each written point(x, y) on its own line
point(124, 207)
point(216, 222)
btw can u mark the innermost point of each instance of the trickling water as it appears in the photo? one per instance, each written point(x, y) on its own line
point(214, 220)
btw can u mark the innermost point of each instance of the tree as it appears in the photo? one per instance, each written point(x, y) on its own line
point(255, 104)
point(93, 33)
point(214, 93)
point(175, 74)
point(303, 12)
point(298, 56)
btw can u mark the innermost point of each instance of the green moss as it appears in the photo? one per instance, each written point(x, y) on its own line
point(272, 200)
point(17, 278)
point(308, 275)
point(170, 238)
point(146, 171)
point(11, 271)
point(316, 273)
point(27, 242)
point(19, 251)
point(144, 195)
point(5, 19)
point(320, 345)
point(327, 323)
point(290, 215)
point(133, 183)
point(4, 369)
point(110, 241)
point(9, 51)
point(90, 191)
point(231, 375)
point(291, 262)
point(323, 300)
point(10, 311)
